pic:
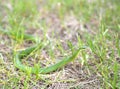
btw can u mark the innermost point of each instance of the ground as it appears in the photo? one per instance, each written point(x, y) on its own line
point(66, 25)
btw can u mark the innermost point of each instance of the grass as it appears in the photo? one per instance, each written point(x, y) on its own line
point(66, 25)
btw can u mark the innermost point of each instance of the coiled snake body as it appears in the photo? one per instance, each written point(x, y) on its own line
point(20, 54)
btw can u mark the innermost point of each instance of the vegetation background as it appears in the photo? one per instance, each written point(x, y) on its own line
point(66, 25)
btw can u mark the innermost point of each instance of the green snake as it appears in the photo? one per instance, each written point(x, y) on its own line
point(21, 54)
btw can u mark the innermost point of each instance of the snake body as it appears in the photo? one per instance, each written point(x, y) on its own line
point(21, 54)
